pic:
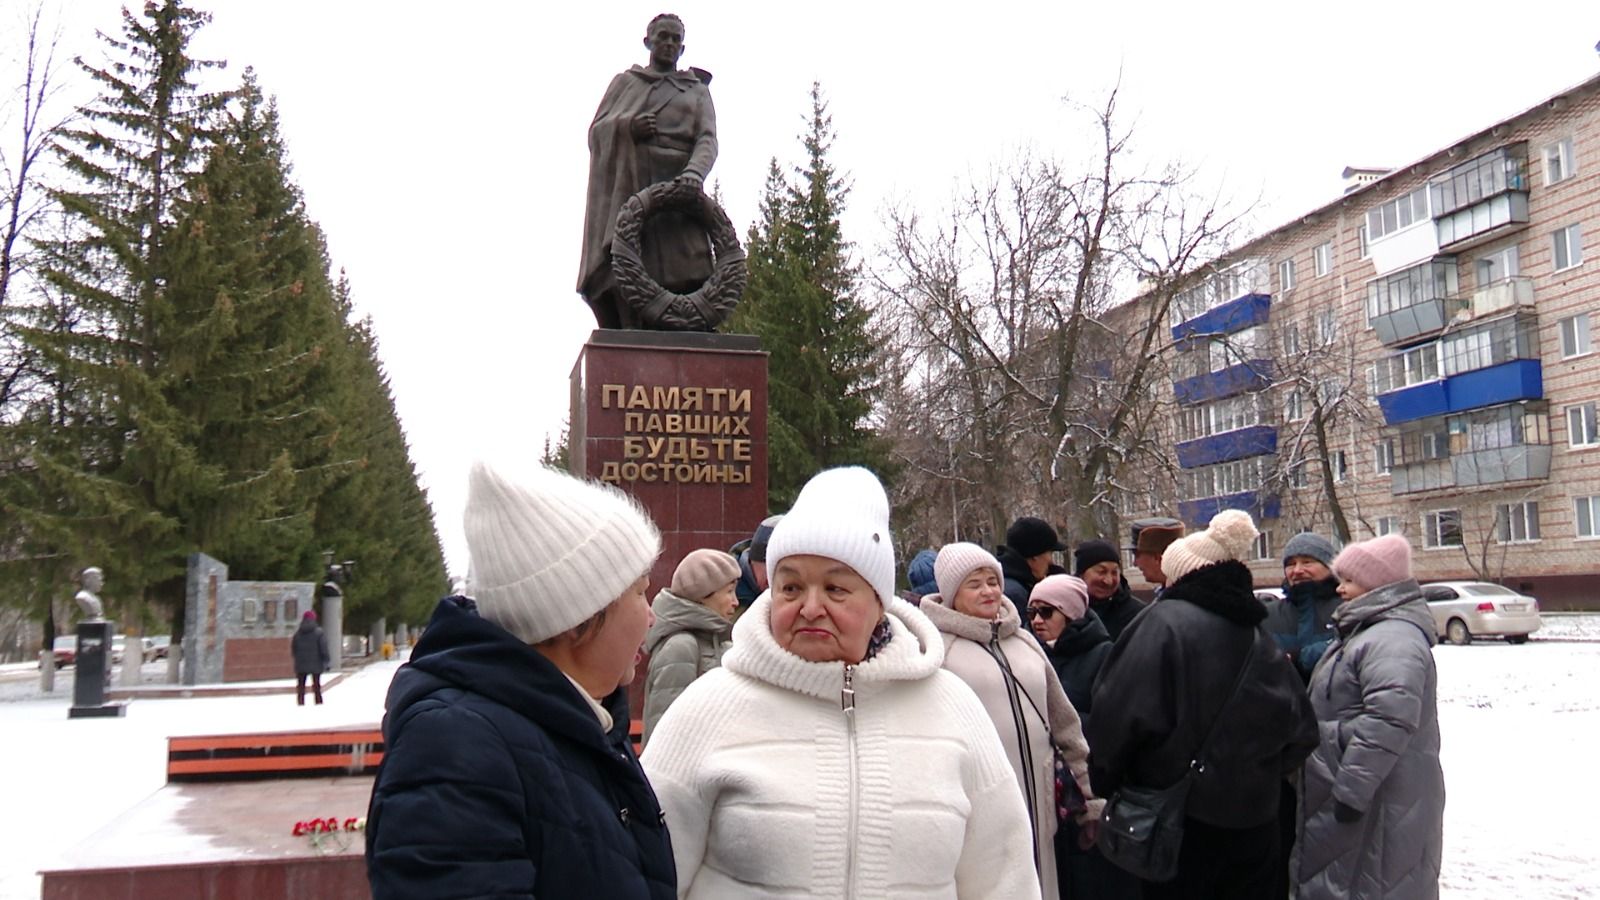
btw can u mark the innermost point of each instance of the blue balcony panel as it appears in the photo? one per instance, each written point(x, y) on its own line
point(1241, 443)
point(1259, 504)
point(1418, 401)
point(1253, 375)
point(1235, 315)
point(1519, 379)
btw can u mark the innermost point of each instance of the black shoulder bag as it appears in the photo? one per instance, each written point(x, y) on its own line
point(1141, 830)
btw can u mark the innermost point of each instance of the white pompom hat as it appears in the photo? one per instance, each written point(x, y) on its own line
point(548, 550)
point(1229, 536)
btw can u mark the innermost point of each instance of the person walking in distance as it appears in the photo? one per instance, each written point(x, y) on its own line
point(310, 649)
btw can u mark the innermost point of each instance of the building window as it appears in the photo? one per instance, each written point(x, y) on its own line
point(1299, 475)
point(1498, 266)
point(1399, 213)
point(1387, 525)
point(1516, 523)
point(1362, 250)
point(1581, 428)
point(1568, 246)
point(1586, 513)
point(1263, 546)
point(1574, 335)
point(1322, 258)
point(1558, 161)
point(1291, 339)
point(1294, 406)
point(1338, 466)
point(1384, 456)
point(1327, 327)
point(1442, 528)
point(1286, 275)
point(250, 610)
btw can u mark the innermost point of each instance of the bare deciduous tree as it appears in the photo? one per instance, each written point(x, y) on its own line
point(23, 203)
point(1024, 387)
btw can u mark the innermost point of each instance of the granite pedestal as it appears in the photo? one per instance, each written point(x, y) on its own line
point(93, 669)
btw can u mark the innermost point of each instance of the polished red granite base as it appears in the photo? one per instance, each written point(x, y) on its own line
point(216, 841)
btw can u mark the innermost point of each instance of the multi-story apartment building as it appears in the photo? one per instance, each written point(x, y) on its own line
point(1416, 356)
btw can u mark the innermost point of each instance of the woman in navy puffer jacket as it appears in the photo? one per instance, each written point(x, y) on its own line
point(508, 770)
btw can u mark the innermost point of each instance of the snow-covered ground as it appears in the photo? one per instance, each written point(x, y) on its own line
point(62, 780)
point(1521, 726)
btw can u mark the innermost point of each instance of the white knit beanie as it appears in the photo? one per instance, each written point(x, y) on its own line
point(956, 562)
point(548, 551)
point(1229, 536)
point(841, 514)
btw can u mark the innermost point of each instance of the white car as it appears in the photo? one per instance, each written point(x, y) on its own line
point(1269, 594)
point(1463, 610)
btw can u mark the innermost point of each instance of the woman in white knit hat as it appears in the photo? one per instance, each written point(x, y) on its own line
point(507, 767)
point(1196, 664)
point(830, 756)
point(693, 617)
point(984, 646)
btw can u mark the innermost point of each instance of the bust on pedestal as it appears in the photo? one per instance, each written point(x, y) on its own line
point(94, 652)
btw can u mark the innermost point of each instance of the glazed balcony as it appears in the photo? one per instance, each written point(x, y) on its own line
point(1416, 302)
point(1474, 468)
point(1481, 199)
point(1497, 445)
point(1519, 379)
point(1235, 315)
point(1485, 365)
point(1260, 504)
point(1250, 375)
point(1240, 443)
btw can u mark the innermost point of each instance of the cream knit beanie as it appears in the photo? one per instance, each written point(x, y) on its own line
point(841, 514)
point(548, 551)
point(956, 562)
point(703, 572)
point(1229, 536)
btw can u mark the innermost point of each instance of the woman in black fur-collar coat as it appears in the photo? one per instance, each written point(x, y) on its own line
point(1169, 678)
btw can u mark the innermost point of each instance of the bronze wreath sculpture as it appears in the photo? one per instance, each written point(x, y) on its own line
point(658, 308)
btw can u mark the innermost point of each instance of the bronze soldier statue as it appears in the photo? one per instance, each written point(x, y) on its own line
point(655, 124)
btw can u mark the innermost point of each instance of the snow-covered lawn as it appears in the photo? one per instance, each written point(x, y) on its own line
point(62, 780)
point(1521, 734)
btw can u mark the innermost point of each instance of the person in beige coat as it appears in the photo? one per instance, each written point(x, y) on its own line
point(986, 647)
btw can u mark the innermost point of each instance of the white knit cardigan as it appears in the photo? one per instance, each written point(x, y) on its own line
point(771, 787)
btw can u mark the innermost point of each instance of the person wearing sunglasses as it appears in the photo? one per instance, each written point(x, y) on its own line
point(1077, 643)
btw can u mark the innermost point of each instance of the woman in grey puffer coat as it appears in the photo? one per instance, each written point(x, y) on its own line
point(1372, 795)
point(693, 618)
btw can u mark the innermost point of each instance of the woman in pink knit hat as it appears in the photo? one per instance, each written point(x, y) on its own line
point(1372, 795)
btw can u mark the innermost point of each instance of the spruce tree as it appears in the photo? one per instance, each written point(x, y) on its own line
point(110, 457)
point(373, 511)
point(801, 301)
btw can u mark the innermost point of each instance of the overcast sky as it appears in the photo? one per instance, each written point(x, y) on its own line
point(442, 146)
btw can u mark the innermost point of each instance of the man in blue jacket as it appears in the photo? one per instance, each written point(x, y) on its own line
point(508, 771)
